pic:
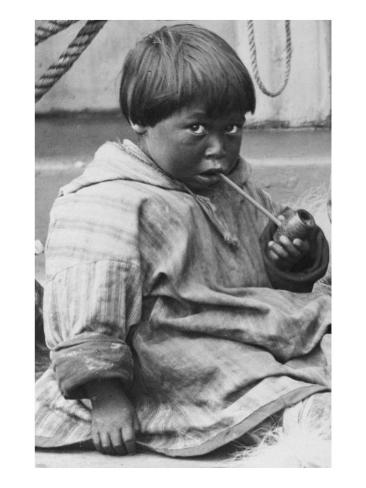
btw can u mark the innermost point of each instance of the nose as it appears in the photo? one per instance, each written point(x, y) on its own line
point(215, 147)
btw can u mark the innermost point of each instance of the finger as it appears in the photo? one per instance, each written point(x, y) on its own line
point(96, 441)
point(273, 256)
point(131, 446)
point(280, 263)
point(278, 249)
point(128, 435)
point(303, 246)
point(281, 217)
point(117, 443)
point(106, 447)
point(291, 249)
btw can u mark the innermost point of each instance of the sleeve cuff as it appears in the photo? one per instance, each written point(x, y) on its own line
point(302, 278)
point(83, 359)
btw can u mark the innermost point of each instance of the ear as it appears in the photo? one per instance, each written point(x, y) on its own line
point(138, 128)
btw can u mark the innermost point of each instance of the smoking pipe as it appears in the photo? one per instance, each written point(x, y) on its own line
point(297, 224)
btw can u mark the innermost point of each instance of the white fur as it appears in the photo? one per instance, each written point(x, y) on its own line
point(298, 448)
point(302, 441)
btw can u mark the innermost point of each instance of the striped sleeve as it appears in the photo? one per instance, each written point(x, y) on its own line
point(90, 308)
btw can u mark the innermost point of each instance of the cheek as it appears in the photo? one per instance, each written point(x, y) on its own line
point(186, 146)
point(233, 146)
point(235, 142)
point(185, 159)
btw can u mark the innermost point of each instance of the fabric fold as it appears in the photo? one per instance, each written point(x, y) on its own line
point(93, 357)
point(141, 287)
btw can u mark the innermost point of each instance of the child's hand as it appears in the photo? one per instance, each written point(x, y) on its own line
point(285, 253)
point(113, 418)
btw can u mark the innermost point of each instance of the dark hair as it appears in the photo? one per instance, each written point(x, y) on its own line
point(179, 65)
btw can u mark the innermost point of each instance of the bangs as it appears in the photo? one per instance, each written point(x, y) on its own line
point(218, 83)
point(180, 66)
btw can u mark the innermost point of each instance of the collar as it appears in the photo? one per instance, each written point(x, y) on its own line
point(204, 202)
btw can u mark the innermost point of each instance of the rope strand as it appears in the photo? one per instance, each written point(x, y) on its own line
point(253, 59)
point(52, 27)
point(68, 57)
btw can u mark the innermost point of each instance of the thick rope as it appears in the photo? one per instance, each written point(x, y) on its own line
point(50, 28)
point(68, 57)
point(253, 59)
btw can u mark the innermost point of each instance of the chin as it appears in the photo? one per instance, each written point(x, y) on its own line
point(201, 184)
point(201, 188)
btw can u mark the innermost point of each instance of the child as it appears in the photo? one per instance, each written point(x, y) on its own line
point(172, 317)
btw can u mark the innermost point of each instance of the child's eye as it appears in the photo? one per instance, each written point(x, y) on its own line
point(233, 128)
point(198, 129)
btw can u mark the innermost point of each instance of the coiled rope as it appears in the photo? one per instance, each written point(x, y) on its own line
point(68, 57)
point(50, 28)
point(253, 59)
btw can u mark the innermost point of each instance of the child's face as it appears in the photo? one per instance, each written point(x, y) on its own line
point(194, 148)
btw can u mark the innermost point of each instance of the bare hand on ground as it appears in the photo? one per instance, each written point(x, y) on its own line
point(114, 421)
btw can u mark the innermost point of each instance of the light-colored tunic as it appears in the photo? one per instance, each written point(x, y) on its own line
point(168, 291)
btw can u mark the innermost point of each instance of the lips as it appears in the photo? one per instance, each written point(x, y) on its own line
point(207, 179)
point(212, 172)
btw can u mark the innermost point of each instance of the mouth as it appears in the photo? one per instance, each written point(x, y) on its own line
point(211, 172)
point(208, 178)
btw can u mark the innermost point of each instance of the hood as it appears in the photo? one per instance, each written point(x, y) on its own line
point(125, 161)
